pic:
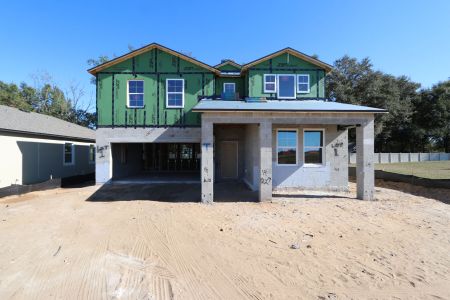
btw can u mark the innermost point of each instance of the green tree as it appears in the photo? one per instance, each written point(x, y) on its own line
point(432, 116)
point(356, 82)
point(11, 95)
point(48, 99)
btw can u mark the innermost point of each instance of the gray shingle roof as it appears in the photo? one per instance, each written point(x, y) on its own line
point(283, 105)
point(13, 119)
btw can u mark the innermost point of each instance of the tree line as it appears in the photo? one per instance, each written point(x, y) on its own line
point(418, 118)
point(47, 98)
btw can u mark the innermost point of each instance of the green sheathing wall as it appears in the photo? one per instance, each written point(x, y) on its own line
point(239, 82)
point(286, 64)
point(152, 67)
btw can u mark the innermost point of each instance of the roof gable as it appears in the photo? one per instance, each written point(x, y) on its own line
point(124, 58)
point(289, 51)
point(228, 65)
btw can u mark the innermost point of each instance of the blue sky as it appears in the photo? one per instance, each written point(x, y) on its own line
point(400, 37)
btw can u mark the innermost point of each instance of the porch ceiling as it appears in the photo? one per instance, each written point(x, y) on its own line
point(283, 106)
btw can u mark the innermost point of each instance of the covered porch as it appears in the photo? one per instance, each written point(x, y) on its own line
point(261, 122)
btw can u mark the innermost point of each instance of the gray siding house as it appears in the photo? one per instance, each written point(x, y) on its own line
point(267, 123)
point(36, 147)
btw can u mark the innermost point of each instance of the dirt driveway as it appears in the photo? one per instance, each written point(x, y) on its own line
point(58, 245)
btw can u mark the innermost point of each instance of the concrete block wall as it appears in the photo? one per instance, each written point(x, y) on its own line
point(251, 170)
point(332, 175)
point(386, 158)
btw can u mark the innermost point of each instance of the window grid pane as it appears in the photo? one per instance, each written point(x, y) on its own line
point(270, 78)
point(270, 87)
point(175, 92)
point(136, 93)
point(270, 83)
point(313, 138)
point(287, 147)
point(68, 149)
point(313, 146)
point(303, 87)
point(303, 83)
point(313, 155)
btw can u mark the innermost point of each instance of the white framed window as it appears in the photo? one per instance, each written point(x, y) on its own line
point(303, 83)
point(68, 154)
point(175, 93)
point(229, 87)
point(286, 86)
point(91, 154)
point(313, 140)
point(135, 93)
point(270, 83)
point(287, 144)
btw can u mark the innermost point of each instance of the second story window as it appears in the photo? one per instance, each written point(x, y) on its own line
point(303, 83)
point(270, 83)
point(136, 93)
point(229, 88)
point(286, 86)
point(175, 93)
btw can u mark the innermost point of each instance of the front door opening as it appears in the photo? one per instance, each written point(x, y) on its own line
point(229, 160)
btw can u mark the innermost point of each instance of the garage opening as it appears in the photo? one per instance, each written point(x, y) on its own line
point(156, 162)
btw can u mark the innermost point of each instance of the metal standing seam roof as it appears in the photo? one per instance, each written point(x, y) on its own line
point(15, 120)
point(283, 106)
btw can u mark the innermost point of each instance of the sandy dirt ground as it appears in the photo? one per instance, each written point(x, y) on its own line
point(57, 245)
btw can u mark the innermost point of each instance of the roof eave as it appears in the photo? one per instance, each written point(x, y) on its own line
point(294, 52)
point(146, 48)
point(50, 135)
point(230, 62)
point(287, 110)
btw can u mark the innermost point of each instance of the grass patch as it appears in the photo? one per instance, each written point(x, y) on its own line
point(424, 169)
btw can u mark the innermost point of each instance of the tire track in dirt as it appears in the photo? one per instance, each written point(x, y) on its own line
point(200, 262)
point(157, 257)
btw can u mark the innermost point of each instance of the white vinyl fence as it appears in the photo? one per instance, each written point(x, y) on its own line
point(386, 158)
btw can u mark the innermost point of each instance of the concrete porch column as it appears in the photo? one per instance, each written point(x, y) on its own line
point(207, 166)
point(365, 176)
point(103, 160)
point(265, 161)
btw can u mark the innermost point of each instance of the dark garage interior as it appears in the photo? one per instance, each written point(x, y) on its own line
point(156, 161)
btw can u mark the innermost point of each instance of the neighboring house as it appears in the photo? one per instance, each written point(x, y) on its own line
point(36, 147)
point(266, 123)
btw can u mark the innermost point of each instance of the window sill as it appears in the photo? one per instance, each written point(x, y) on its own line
point(287, 165)
point(137, 107)
point(68, 165)
point(313, 165)
point(174, 106)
